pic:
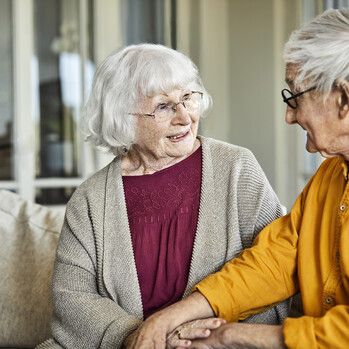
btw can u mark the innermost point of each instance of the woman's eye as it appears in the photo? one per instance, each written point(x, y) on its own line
point(186, 97)
point(162, 106)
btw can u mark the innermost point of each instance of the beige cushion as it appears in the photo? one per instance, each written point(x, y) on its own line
point(28, 239)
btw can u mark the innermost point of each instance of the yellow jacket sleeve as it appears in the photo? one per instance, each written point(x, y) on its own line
point(261, 276)
point(306, 250)
point(328, 331)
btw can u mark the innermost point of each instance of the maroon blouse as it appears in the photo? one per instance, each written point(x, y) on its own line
point(162, 211)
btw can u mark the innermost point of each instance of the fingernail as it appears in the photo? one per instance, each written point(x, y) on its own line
point(206, 332)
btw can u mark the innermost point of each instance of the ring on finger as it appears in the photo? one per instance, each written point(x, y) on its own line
point(178, 334)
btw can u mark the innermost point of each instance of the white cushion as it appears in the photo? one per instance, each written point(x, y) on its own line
point(28, 239)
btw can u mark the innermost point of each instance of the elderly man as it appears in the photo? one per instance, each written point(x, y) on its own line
point(307, 250)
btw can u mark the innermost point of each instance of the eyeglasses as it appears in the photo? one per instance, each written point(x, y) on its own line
point(290, 99)
point(164, 111)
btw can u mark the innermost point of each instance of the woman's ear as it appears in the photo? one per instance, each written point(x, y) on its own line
point(343, 99)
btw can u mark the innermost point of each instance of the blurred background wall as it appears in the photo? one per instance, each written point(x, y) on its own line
point(49, 50)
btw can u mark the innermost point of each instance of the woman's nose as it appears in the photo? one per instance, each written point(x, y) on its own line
point(291, 116)
point(181, 115)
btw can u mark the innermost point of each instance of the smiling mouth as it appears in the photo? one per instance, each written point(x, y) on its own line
point(178, 136)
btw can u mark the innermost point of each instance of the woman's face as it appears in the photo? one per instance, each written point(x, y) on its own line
point(172, 138)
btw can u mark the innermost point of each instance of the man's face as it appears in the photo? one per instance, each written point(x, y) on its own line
point(327, 131)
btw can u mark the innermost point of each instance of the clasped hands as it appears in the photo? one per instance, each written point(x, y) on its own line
point(181, 336)
point(210, 333)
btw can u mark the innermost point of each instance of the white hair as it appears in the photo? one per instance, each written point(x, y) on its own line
point(123, 81)
point(320, 50)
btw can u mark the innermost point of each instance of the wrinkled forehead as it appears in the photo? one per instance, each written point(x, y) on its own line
point(168, 89)
point(173, 95)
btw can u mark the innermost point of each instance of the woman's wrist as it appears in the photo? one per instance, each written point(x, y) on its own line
point(194, 307)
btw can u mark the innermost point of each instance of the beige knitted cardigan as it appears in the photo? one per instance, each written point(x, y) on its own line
point(96, 294)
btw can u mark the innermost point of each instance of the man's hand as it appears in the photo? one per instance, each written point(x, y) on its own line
point(239, 336)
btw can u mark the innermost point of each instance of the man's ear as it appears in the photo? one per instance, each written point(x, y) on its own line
point(343, 99)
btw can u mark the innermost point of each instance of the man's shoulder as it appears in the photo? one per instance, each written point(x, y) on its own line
point(332, 165)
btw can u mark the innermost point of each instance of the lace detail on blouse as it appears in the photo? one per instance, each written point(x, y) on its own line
point(148, 200)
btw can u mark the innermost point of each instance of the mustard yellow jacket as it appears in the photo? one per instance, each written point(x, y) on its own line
point(306, 250)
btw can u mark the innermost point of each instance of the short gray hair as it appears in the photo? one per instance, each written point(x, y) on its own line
point(123, 81)
point(320, 50)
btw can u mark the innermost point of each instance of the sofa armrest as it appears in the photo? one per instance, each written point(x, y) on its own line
point(28, 238)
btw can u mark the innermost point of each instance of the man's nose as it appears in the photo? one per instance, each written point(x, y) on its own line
point(291, 117)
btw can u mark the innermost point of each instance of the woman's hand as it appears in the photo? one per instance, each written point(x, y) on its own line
point(182, 335)
point(152, 333)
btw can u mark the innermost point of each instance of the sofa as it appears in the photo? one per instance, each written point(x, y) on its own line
point(28, 238)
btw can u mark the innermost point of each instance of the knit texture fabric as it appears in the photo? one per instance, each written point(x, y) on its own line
point(96, 295)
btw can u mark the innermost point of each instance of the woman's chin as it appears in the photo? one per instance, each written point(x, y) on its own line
point(183, 148)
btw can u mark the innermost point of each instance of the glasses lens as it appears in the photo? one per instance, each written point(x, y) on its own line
point(164, 111)
point(192, 100)
point(289, 99)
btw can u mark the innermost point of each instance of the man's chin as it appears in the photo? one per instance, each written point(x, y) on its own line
point(310, 148)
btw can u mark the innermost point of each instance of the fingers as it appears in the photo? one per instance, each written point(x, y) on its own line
point(175, 340)
point(197, 345)
point(181, 336)
point(192, 333)
point(210, 323)
point(178, 343)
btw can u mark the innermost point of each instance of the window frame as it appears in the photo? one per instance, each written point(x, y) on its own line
point(25, 182)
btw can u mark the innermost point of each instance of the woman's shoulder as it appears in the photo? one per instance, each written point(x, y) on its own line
point(227, 152)
point(95, 184)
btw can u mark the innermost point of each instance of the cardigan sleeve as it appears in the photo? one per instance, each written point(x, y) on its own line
point(258, 206)
point(84, 316)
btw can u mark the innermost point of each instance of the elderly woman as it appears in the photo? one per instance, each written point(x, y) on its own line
point(307, 250)
point(170, 209)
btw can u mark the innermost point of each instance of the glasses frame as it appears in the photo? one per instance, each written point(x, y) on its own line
point(174, 106)
point(294, 97)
